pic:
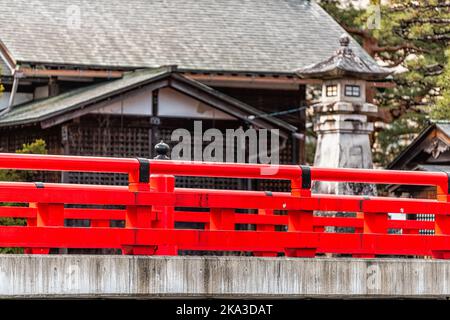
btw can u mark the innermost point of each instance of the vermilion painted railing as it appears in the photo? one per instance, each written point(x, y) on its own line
point(151, 206)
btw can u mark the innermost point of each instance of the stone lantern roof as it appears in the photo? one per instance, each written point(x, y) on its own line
point(344, 63)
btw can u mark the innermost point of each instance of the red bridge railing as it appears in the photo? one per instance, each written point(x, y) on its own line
point(151, 205)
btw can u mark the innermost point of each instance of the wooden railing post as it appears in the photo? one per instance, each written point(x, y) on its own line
point(47, 215)
point(137, 216)
point(221, 219)
point(100, 223)
point(301, 220)
point(359, 215)
point(163, 216)
point(374, 223)
point(442, 222)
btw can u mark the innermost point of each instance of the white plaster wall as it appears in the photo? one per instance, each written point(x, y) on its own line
point(171, 104)
point(175, 104)
point(137, 104)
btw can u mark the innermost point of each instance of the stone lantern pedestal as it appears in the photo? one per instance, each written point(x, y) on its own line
point(344, 142)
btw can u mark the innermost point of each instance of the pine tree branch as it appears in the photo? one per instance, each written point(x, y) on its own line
point(358, 32)
point(420, 6)
point(426, 20)
point(436, 37)
point(405, 46)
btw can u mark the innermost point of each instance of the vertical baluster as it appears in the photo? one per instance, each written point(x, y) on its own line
point(47, 215)
point(137, 216)
point(163, 216)
point(442, 223)
point(374, 223)
point(301, 220)
point(265, 227)
point(221, 219)
point(100, 223)
point(360, 216)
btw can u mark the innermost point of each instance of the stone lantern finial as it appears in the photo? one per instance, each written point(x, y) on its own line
point(344, 40)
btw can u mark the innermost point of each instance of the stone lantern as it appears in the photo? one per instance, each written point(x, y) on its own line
point(342, 116)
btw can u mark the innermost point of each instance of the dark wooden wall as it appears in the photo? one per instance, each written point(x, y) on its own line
point(127, 136)
point(132, 137)
point(273, 100)
point(13, 139)
point(270, 101)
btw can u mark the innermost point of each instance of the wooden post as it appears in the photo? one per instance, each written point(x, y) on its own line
point(137, 217)
point(442, 223)
point(265, 227)
point(300, 220)
point(47, 215)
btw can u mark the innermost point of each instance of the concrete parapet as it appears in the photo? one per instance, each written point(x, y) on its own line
point(75, 276)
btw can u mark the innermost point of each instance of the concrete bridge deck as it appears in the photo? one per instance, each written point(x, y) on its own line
point(76, 276)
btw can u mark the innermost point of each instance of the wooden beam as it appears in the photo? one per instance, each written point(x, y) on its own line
point(265, 82)
point(31, 72)
point(254, 81)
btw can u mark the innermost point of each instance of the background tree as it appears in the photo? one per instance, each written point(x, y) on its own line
point(412, 37)
point(442, 109)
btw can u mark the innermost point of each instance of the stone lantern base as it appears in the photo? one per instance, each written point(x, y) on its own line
point(343, 142)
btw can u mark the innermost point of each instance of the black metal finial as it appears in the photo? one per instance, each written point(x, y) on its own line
point(344, 40)
point(162, 151)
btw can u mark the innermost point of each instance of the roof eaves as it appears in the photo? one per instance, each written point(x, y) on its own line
point(443, 129)
point(410, 146)
point(137, 67)
point(84, 103)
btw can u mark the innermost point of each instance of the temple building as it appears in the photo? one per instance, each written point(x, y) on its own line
point(113, 78)
point(430, 151)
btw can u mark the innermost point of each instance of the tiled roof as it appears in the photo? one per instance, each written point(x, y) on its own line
point(434, 168)
point(400, 159)
point(274, 36)
point(444, 127)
